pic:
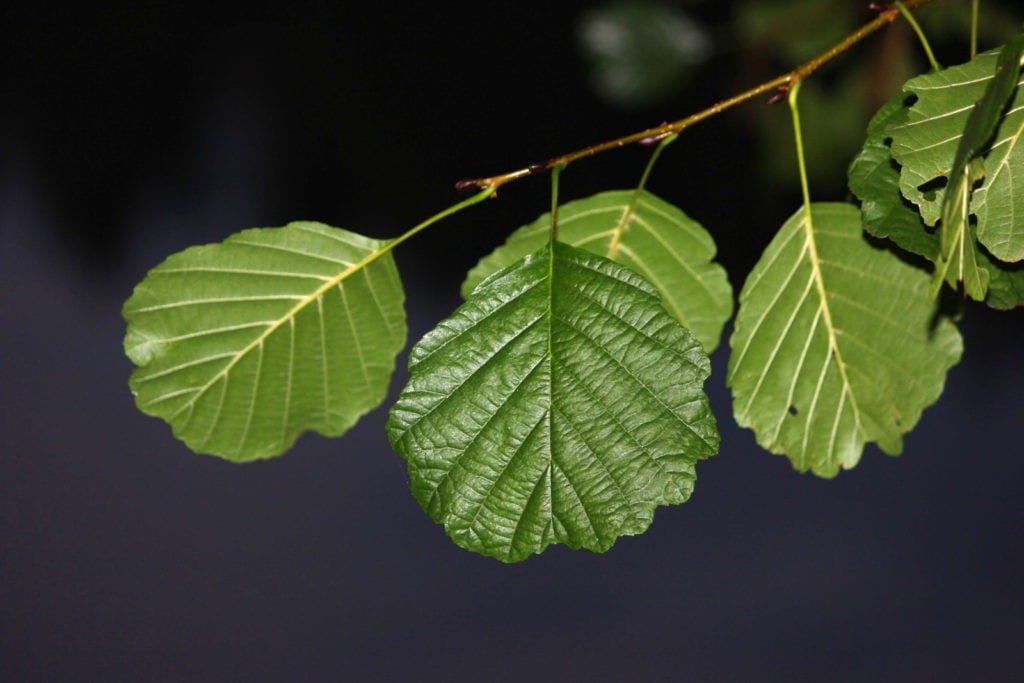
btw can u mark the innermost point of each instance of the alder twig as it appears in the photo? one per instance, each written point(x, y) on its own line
point(780, 84)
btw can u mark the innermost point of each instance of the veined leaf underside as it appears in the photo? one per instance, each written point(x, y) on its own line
point(243, 345)
point(833, 346)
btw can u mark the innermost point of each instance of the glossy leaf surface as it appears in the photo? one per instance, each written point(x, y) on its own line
point(835, 344)
point(243, 345)
point(559, 404)
point(644, 233)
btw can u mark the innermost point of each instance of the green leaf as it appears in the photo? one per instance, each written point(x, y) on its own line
point(989, 109)
point(644, 233)
point(999, 203)
point(926, 146)
point(835, 344)
point(1006, 284)
point(958, 259)
point(874, 178)
point(243, 345)
point(559, 404)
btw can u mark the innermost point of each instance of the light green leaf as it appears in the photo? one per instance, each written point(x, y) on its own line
point(957, 260)
point(999, 202)
point(243, 345)
point(926, 145)
point(874, 179)
point(835, 344)
point(644, 233)
point(559, 404)
point(987, 112)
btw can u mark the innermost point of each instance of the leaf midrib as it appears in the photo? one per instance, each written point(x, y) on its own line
point(620, 229)
point(819, 281)
point(317, 294)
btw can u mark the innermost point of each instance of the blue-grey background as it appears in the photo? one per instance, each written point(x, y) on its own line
point(130, 131)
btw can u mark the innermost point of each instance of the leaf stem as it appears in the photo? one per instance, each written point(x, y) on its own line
point(794, 110)
point(974, 27)
point(920, 35)
point(627, 215)
point(662, 144)
point(453, 209)
point(781, 83)
point(556, 172)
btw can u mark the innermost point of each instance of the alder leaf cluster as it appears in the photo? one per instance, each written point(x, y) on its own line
point(563, 401)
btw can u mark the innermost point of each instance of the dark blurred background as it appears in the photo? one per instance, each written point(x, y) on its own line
point(131, 130)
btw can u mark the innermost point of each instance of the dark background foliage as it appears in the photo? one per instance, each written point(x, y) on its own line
point(132, 130)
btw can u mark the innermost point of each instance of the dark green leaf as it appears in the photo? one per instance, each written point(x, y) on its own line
point(559, 404)
point(644, 233)
point(874, 179)
point(958, 260)
point(1005, 285)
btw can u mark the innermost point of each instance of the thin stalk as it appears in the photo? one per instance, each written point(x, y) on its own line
point(813, 257)
point(975, 4)
point(799, 138)
point(556, 172)
point(779, 83)
point(620, 229)
point(665, 142)
point(455, 208)
point(920, 34)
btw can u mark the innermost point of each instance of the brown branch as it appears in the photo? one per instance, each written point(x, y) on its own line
point(780, 84)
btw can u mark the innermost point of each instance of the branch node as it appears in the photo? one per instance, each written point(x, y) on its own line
point(886, 10)
point(468, 184)
point(654, 139)
point(781, 93)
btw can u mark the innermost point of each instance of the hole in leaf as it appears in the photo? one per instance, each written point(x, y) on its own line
point(932, 187)
point(793, 410)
